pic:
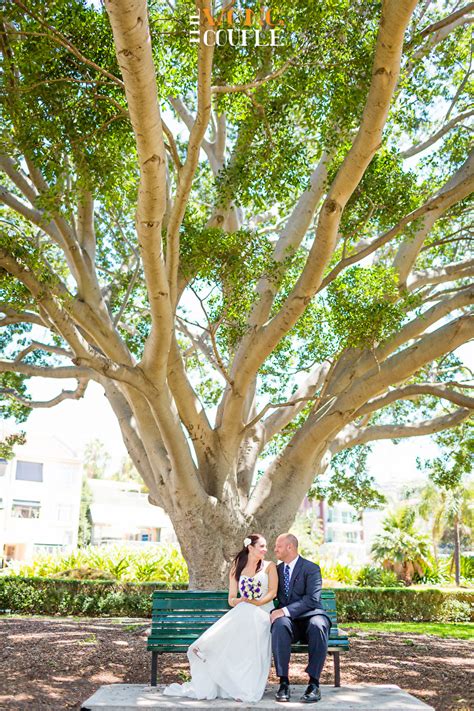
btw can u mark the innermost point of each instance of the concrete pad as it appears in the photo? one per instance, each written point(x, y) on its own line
point(363, 697)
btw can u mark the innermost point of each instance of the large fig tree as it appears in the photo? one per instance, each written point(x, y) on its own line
point(259, 252)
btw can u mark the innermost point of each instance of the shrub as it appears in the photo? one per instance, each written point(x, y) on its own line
point(108, 598)
point(455, 611)
point(399, 604)
point(467, 567)
point(371, 576)
point(45, 596)
point(389, 579)
point(148, 564)
point(338, 572)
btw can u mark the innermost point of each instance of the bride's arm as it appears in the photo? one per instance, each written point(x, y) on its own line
point(272, 586)
point(233, 599)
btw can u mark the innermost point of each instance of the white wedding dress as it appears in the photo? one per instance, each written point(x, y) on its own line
point(234, 654)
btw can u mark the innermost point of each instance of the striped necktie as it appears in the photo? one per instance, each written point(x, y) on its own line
point(286, 579)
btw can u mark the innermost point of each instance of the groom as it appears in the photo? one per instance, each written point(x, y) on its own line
point(299, 617)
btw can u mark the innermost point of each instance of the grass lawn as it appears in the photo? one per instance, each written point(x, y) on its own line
point(455, 630)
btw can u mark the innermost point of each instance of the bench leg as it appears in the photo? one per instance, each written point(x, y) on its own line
point(337, 669)
point(154, 668)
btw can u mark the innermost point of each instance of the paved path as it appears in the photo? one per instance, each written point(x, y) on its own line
point(363, 697)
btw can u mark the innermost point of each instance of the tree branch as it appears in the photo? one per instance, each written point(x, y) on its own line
point(421, 323)
point(386, 67)
point(440, 275)
point(129, 21)
point(186, 175)
point(430, 210)
point(76, 394)
point(59, 38)
point(353, 436)
point(65, 371)
point(413, 392)
point(37, 346)
point(458, 186)
point(223, 89)
point(435, 26)
point(423, 145)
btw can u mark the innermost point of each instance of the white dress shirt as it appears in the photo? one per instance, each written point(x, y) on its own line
point(292, 567)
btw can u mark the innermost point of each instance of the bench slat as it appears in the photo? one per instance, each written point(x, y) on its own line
point(221, 605)
point(180, 616)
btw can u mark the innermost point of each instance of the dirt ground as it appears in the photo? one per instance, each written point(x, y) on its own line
point(58, 663)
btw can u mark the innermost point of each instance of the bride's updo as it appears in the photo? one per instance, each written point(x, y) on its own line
point(240, 560)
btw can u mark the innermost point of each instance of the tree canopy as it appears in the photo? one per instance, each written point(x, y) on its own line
point(261, 253)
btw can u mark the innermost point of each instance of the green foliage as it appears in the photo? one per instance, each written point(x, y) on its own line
point(399, 604)
point(71, 120)
point(9, 442)
point(349, 481)
point(401, 547)
point(370, 576)
point(151, 563)
point(456, 459)
point(364, 306)
point(455, 611)
point(467, 567)
point(234, 261)
point(42, 596)
point(338, 572)
point(437, 572)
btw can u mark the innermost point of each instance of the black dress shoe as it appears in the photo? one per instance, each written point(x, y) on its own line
point(283, 693)
point(311, 695)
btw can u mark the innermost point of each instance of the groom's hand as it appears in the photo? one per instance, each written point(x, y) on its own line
point(275, 614)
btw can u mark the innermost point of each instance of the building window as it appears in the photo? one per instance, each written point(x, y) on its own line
point(29, 471)
point(329, 535)
point(332, 516)
point(25, 509)
point(64, 513)
point(49, 548)
point(3, 467)
point(351, 536)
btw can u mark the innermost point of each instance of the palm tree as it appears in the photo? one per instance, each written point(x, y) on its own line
point(401, 547)
point(452, 505)
point(449, 513)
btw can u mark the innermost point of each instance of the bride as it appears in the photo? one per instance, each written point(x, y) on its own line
point(231, 659)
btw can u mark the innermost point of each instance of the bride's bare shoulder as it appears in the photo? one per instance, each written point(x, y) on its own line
point(268, 565)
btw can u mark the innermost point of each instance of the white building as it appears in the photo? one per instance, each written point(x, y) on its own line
point(40, 493)
point(120, 513)
point(342, 528)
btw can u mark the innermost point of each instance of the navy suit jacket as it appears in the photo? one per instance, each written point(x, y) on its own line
point(304, 595)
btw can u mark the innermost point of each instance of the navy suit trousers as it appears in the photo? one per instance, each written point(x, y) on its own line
point(313, 631)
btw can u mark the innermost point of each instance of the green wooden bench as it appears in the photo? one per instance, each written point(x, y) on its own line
point(179, 617)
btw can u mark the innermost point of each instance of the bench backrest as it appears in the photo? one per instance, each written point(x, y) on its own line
point(183, 612)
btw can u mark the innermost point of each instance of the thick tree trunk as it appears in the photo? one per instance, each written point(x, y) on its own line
point(209, 538)
point(208, 544)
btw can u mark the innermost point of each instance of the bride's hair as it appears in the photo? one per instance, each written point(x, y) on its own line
point(240, 560)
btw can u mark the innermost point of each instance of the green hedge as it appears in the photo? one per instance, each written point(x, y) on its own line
point(46, 596)
point(94, 598)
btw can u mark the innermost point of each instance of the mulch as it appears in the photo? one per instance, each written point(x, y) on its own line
point(52, 663)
